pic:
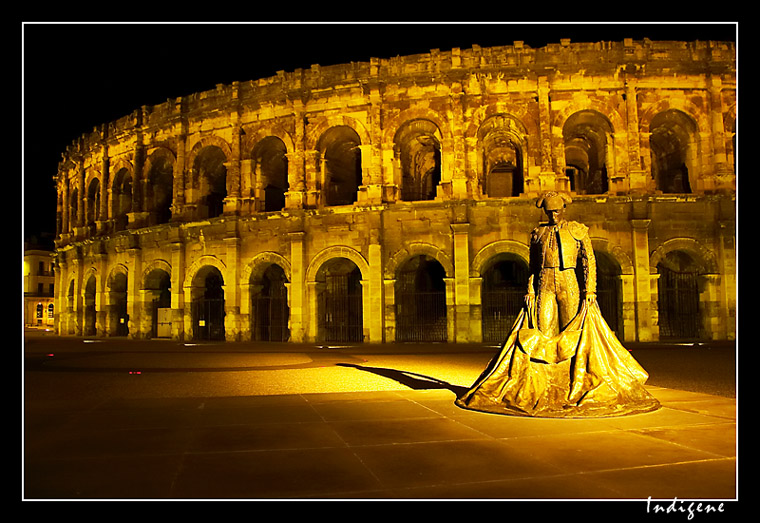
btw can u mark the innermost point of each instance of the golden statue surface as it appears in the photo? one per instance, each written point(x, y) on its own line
point(560, 358)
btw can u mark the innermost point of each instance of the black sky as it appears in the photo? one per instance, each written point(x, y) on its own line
point(78, 76)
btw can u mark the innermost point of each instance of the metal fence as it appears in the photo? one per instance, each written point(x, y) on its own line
point(340, 309)
point(499, 309)
point(421, 317)
point(270, 318)
point(678, 304)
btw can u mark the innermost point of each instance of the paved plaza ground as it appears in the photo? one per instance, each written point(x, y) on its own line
point(131, 420)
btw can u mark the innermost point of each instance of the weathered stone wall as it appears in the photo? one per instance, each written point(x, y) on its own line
point(641, 134)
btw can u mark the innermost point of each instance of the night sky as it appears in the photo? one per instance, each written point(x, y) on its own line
point(78, 76)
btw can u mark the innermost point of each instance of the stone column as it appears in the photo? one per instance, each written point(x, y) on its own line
point(389, 310)
point(134, 285)
point(476, 310)
point(232, 202)
point(547, 175)
point(296, 299)
point(646, 327)
point(636, 172)
point(460, 188)
point(232, 325)
point(373, 315)
point(461, 281)
point(178, 189)
point(178, 294)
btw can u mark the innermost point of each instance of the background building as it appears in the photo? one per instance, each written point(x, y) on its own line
point(39, 284)
point(392, 200)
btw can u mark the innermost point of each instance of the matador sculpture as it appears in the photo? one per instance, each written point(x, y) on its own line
point(560, 358)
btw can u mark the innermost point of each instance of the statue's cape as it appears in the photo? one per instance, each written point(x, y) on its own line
point(583, 371)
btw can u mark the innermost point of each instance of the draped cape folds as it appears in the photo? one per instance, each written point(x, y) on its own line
point(583, 371)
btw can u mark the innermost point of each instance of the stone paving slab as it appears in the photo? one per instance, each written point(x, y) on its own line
point(376, 445)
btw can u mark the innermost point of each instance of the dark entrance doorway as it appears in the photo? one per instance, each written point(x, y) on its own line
point(421, 301)
point(339, 302)
point(158, 284)
point(89, 307)
point(678, 291)
point(269, 307)
point(608, 291)
point(208, 305)
point(505, 283)
point(119, 321)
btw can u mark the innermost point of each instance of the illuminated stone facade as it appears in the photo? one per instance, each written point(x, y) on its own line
point(392, 200)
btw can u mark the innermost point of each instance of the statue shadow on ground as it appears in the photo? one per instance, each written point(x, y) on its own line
point(410, 379)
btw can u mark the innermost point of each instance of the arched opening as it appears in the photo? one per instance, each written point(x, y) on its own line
point(159, 302)
point(341, 165)
point(502, 295)
point(500, 139)
point(210, 180)
point(121, 198)
point(119, 319)
point(586, 135)
point(93, 204)
point(608, 290)
point(421, 300)
point(270, 168)
point(672, 141)
point(208, 305)
point(89, 307)
point(339, 302)
point(270, 313)
point(160, 188)
point(70, 328)
point(418, 150)
point(678, 296)
point(73, 209)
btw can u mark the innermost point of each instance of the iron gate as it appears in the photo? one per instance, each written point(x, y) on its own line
point(340, 309)
point(270, 318)
point(607, 299)
point(421, 316)
point(208, 319)
point(499, 309)
point(678, 304)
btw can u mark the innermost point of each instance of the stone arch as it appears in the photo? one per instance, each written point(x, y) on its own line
point(519, 114)
point(269, 172)
point(665, 104)
point(119, 164)
point(154, 265)
point(339, 150)
point(92, 198)
point(615, 252)
point(117, 321)
point(337, 251)
point(675, 151)
point(588, 145)
point(418, 150)
point(395, 123)
point(259, 263)
point(199, 264)
point(601, 107)
point(318, 126)
point(205, 141)
point(120, 192)
point(253, 134)
point(502, 155)
point(703, 257)
point(412, 249)
point(209, 183)
point(481, 259)
point(116, 270)
point(159, 191)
